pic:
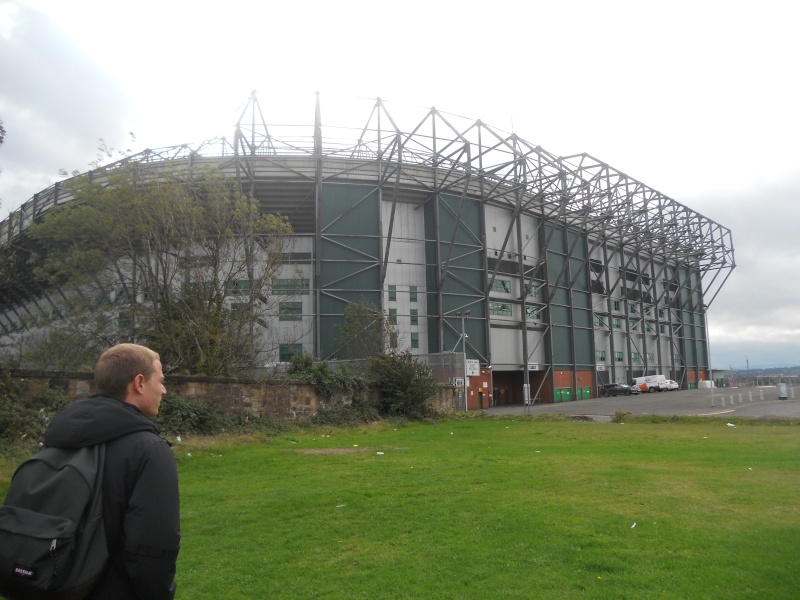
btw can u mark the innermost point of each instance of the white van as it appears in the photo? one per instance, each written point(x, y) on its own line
point(650, 383)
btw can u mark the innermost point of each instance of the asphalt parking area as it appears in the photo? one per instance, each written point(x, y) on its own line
point(739, 402)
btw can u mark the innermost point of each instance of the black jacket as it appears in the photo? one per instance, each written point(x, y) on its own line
point(141, 507)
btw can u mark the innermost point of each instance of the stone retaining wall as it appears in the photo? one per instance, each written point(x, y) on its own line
point(282, 399)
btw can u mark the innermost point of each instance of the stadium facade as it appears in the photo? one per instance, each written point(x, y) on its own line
point(556, 274)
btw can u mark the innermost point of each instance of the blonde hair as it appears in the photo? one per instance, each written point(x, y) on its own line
point(119, 365)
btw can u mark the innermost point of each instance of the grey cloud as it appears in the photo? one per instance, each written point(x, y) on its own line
point(55, 106)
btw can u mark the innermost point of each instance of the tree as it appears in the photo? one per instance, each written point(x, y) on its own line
point(366, 331)
point(179, 260)
point(404, 385)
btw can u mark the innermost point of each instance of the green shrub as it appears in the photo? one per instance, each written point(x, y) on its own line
point(404, 385)
point(357, 413)
point(178, 416)
point(326, 382)
point(23, 420)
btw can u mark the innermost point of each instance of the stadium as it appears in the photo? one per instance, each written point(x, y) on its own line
point(546, 276)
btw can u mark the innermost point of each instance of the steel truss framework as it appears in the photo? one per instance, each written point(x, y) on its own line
point(440, 159)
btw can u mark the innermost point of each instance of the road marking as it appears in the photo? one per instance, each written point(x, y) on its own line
point(721, 412)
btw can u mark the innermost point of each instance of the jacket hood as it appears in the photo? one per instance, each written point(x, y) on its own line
point(94, 420)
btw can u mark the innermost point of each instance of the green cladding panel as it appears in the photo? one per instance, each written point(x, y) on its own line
point(454, 254)
point(349, 254)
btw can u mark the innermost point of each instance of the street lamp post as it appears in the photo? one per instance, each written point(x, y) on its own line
point(463, 340)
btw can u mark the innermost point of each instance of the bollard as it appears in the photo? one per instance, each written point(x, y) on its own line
point(740, 398)
point(791, 391)
point(712, 399)
point(723, 400)
point(761, 393)
point(750, 395)
point(731, 400)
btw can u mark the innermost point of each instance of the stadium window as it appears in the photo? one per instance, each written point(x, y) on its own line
point(415, 340)
point(412, 293)
point(632, 325)
point(632, 309)
point(662, 329)
point(618, 357)
point(648, 309)
point(240, 287)
point(660, 313)
point(121, 297)
point(599, 355)
point(615, 305)
point(617, 323)
point(290, 311)
point(501, 285)
point(414, 316)
point(599, 321)
point(635, 357)
point(500, 309)
point(392, 293)
point(651, 358)
point(393, 339)
point(290, 287)
point(676, 358)
point(125, 319)
point(287, 351)
point(533, 312)
point(648, 328)
point(393, 316)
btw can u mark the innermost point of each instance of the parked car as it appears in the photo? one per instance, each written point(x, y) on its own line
point(615, 389)
point(672, 385)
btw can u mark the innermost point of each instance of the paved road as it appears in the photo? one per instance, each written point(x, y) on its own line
point(735, 402)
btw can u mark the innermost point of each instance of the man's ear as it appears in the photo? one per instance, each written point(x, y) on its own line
point(138, 382)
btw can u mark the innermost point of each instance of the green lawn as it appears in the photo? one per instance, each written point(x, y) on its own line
point(495, 508)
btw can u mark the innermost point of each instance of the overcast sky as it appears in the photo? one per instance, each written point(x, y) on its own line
point(699, 100)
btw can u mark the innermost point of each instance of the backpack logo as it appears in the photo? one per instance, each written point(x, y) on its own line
point(24, 572)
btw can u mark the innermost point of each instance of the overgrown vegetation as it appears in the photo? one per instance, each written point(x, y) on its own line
point(23, 421)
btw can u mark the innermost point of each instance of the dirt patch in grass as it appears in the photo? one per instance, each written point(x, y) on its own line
point(343, 450)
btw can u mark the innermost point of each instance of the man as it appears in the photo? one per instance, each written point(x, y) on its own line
point(141, 509)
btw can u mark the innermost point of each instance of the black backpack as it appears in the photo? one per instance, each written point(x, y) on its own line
point(52, 537)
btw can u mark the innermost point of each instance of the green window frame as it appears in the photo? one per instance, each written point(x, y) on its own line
point(414, 316)
point(125, 319)
point(660, 313)
point(501, 285)
point(635, 358)
point(618, 357)
point(599, 321)
point(615, 305)
point(393, 316)
point(287, 351)
point(414, 339)
point(616, 323)
point(502, 309)
point(240, 287)
point(599, 355)
point(392, 293)
point(632, 309)
point(662, 329)
point(393, 339)
point(291, 287)
point(412, 293)
point(290, 311)
point(676, 358)
point(533, 312)
point(651, 357)
point(632, 325)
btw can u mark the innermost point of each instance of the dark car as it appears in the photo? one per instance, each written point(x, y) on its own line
point(615, 389)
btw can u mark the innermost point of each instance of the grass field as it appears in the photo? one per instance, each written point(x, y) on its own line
point(496, 508)
point(510, 507)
